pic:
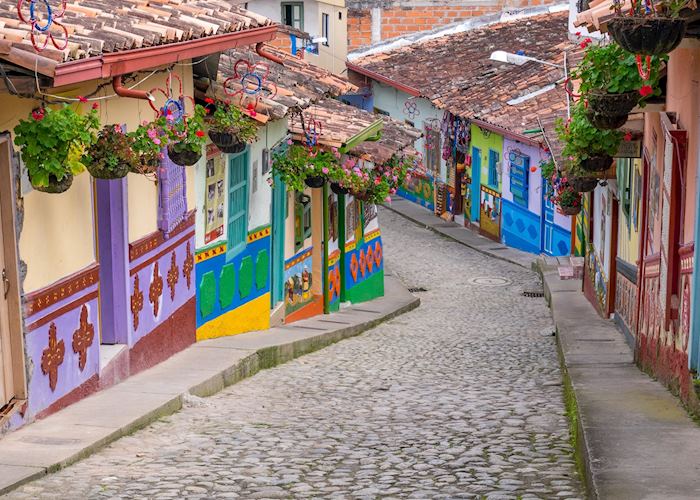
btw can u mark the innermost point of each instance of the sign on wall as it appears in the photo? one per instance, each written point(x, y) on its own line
point(214, 196)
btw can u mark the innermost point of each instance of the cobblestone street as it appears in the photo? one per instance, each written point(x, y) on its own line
point(460, 398)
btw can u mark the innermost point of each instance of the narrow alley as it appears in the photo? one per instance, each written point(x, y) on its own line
point(442, 402)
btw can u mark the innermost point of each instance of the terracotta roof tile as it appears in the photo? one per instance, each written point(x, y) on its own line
point(97, 27)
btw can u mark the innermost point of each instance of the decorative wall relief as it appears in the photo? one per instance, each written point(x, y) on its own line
point(136, 302)
point(173, 276)
point(52, 357)
point(83, 337)
point(155, 290)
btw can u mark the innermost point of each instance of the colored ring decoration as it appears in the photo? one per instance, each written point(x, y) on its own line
point(176, 108)
point(49, 16)
point(257, 84)
point(38, 29)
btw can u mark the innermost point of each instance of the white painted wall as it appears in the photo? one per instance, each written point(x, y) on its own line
point(602, 226)
point(393, 101)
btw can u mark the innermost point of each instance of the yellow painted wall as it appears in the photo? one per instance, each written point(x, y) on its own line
point(628, 231)
point(332, 57)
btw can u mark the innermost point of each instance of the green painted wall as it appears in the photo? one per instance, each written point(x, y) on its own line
point(485, 140)
point(369, 289)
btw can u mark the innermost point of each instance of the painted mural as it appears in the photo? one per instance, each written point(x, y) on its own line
point(233, 292)
point(299, 299)
point(364, 262)
point(490, 213)
point(333, 278)
point(419, 188)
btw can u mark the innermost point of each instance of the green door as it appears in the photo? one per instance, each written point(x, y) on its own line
point(279, 216)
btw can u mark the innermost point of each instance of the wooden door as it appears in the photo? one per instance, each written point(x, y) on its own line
point(7, 383)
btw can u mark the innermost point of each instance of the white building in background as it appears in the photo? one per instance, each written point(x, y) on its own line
point(324, 20)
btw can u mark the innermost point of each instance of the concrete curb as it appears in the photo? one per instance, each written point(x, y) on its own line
point(202, 369)
point(633, 437)
point(423, 217)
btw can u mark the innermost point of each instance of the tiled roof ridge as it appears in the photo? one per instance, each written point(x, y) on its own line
point(487, 21)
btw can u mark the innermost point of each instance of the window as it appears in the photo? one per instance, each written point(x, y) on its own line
point(302, 220)
point(293, 14)
point(624, 186)
point(493, 168)
point(237, 203)
point(519, 177)
point(324, 29)
point(172, 197)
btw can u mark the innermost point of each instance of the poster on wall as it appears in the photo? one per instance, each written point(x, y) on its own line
point(214, 196)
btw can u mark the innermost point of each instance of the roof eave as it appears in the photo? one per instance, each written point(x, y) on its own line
point(380, 78)
point(504, 132)
point(120, 63)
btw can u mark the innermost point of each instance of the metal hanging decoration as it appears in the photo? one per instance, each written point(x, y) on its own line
point(27, 11)
point(174, 105)
point(410, 109)
point(253, 81)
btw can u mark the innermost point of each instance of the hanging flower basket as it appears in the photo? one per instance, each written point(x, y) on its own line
point(570, 210)
point(315, 181)
point(605, 122)
point(112, 156)
point(147, 164)
point(226, 141)
point(55, 186)
point(612, 104)
point(647, 35)
point(337, 189)
point(599, 163)
point(184, 157)
point(583, 184)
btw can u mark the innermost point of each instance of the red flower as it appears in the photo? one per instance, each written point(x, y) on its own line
point(646, 90)
point(578, 33)
point(82, 99)
point(585, 43)
point(628, 137)
point(199, 133)
point(38, 114)
point(95, 105)
point(209, 100)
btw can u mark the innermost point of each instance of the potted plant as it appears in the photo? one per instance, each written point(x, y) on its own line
point(148, 142)
point(585, 145)
point(611, 84)
point(186, 136)
point(52, 143)
point(229, 129)
point(112, 155)
point(301, 166)
point(567, 199)
point(650, 28)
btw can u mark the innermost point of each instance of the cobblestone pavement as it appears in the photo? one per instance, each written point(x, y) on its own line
point(460, 398)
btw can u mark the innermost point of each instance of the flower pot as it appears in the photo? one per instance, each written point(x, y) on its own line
point(583, 184)
point(55, 186)
point(184, 158)
point(315, 181)
point(226, 142)
point(647, 35)
point(337, 189)
point(605, 122)
point(570, 210)
point(598, 163)
point(101, 171)
point(612, 104)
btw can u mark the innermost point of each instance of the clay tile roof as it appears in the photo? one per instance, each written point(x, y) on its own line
point(341, 122)
point(396, 136)
point(296, 84)
point(456, 74)
point(97, 27)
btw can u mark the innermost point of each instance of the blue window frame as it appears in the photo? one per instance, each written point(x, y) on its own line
point(493, 168)
point(237, 203)
point(519, 178)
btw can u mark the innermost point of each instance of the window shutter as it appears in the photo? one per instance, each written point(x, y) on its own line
point(172, 199)
point(519, 178)
point(237, 202)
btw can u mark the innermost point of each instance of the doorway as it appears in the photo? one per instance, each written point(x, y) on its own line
point(12, 383)
point(476, 184)
point(279, 217)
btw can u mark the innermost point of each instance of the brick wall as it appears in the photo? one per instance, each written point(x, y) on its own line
point(402, 17)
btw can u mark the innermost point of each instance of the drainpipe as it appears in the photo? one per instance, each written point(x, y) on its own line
point(262, 53)
point(122, 91)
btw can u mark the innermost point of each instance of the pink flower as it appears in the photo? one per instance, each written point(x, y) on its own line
point(325, 170)
point(388, 199)
point(156, 141)
point(289, 142)
point(646, 90)
point(377, 181)
point(152, 133)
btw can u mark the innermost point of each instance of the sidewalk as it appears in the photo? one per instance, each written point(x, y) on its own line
point(201, 370)
point(424, 217)
point(634, 438)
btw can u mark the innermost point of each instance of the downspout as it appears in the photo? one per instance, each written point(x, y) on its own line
point(326, 294)
point(122, 91)
point(263, 53)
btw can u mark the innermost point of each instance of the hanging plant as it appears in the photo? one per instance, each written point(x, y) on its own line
point(611, 83)
point(651, 28)
point(301, 166)
point(186, 136)
point(584, 145)
point(112, 155)
point(547, 169)
point(52, 144)
point(229, 129)
point(149, 139)
point(564, 195)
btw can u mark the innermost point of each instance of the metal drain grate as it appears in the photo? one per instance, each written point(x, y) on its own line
point(417, 289)
point(533, 292)
point(490, 281)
